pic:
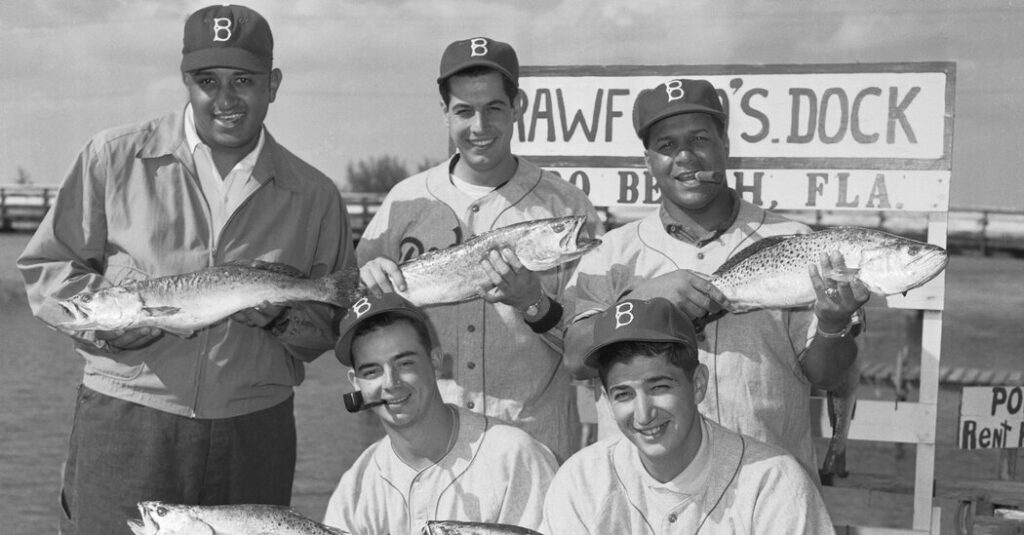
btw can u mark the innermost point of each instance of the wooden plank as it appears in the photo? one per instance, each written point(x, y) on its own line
point(881, 421)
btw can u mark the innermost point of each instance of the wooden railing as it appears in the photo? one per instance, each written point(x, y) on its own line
point(981, 229)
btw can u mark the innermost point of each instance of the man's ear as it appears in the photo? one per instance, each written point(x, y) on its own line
point(435, 359)
point(352, 378)
point(444, 111)
point(275, 82)
point(700, 383)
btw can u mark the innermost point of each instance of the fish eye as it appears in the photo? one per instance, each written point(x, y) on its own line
point(161, 511)
point(86, 298)
point(913, 250)
point(558, 227)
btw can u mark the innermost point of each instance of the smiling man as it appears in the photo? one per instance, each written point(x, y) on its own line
point(437, 461)
point(762, 364)
point(206, 419)
point(503, 356)
point(670, 470)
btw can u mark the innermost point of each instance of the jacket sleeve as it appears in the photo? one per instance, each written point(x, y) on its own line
point(308, 327)
point(67, 253)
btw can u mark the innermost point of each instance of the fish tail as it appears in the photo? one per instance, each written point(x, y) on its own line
point(343, 287)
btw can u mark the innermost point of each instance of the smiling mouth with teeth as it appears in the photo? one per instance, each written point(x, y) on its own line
point(652, 431)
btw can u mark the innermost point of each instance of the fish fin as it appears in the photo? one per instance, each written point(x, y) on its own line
point(343, 287)
point(161, 311)
point(179, 332)
point(274, 267)
point(750, 250)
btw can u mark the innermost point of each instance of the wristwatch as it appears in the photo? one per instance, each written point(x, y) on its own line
point(533, 309)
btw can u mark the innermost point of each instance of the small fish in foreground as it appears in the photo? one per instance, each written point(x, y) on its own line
point(183, 304)
point(772, 273)
point(841, 404)
point(454, 274)
point(159, 518)
point(453, 527)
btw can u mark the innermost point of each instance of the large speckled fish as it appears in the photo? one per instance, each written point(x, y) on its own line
point(772, 273)
point(453, 527)
point(183, 304)
point(454, 274)
point(160, 518)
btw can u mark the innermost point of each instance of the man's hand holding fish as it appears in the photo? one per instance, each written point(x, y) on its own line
point(838, 297)
point(128, 339)
point(689, 290)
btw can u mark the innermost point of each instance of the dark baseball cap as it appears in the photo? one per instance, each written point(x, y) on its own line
point(369, 307)
point(227, 36)
point(640, 320)
point(675, 97)
point(479, 51)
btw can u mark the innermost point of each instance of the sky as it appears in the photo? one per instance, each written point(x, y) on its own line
point(359, 74)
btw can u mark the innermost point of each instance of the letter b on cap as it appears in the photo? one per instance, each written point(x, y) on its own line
point(361, 307)
point(674, 89)
point(478, 47)
point(221, 29)
point(623, 314)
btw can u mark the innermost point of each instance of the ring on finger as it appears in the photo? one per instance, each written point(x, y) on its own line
point(832, 294)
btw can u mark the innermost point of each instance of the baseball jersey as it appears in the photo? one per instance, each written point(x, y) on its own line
point(756, 385)
point(493, 473)
point(747, 487)
point(492, 362)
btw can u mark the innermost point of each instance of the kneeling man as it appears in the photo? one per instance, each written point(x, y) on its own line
point(671, 470)
point(438, 461)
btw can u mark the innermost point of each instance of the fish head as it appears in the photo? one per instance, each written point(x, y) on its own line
point(105, 309)
point(159, 518)
point(551, 242)
point(900, 264)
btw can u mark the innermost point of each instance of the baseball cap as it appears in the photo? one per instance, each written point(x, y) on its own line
point(640, 320)
point(368, 307)
point(479, 51)
point(675, 97)
point(227, 36)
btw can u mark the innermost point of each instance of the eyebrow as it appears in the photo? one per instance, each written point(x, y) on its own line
point(399, 356)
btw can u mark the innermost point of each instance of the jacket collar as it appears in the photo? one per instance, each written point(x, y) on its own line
point(525, 179)
point(167, 138)
point(726, 458)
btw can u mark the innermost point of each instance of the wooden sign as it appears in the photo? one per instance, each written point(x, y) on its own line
point(991, 417)
point(802, 137)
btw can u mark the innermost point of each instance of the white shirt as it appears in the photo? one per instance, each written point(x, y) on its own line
point(223, 194)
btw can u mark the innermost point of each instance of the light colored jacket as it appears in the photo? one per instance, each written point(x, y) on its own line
point(131, 207)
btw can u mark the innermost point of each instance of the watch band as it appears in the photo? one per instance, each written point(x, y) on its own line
point(548, 321)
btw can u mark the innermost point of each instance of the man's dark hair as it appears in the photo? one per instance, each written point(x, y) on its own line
point(677, 354)
point(387, 319)
point(511, 89)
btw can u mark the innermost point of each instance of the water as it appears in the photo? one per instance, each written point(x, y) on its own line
point(39, 376)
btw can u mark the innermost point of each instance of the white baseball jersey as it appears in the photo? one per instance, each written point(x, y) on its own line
point(745, 487)
point(756, 385)
point(492, 362)
point(493, 473)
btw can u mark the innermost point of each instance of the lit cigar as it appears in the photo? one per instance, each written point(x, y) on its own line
point(354, 402)
point(709, 176)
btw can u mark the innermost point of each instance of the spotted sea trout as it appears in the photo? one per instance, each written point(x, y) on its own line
point(183, 304)
point(772, 273)
point(159, 518)
point(454, 274)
